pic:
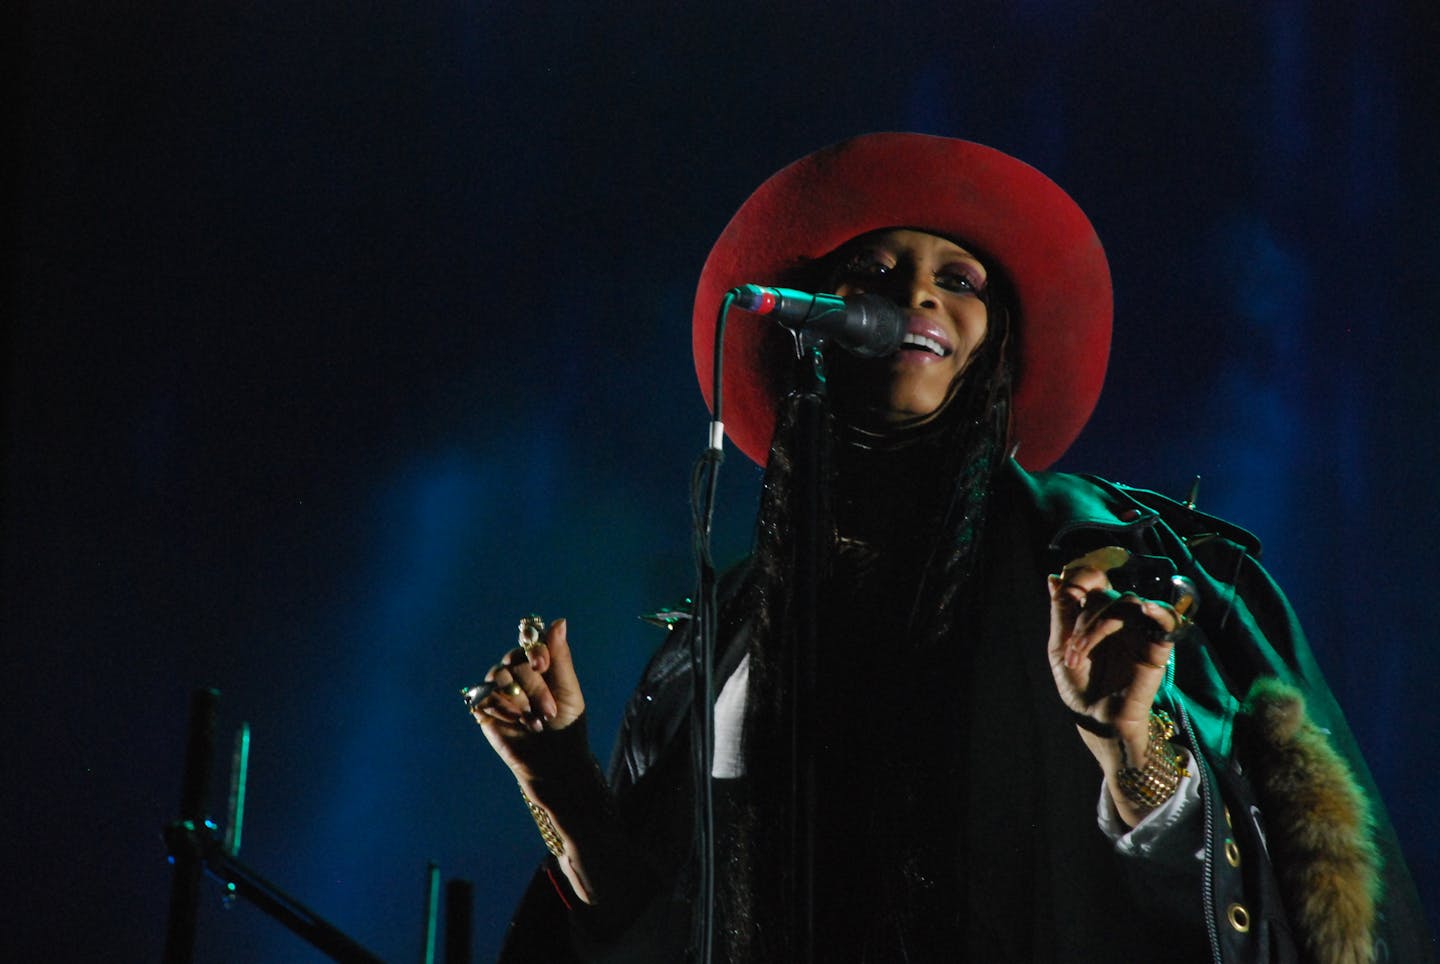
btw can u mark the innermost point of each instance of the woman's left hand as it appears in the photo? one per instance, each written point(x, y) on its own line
point(1108, 658)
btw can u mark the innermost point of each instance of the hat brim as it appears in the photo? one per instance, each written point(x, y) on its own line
point(1006, 210)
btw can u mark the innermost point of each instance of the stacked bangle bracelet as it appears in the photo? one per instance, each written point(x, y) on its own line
point(546, 826)
point(1155, 782)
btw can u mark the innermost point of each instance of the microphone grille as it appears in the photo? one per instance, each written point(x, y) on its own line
point(883, 325)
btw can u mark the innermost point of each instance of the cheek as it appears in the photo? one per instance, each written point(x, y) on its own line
point(970, 325)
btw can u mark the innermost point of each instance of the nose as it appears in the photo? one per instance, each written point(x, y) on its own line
point(923, 295)
point(918, 287)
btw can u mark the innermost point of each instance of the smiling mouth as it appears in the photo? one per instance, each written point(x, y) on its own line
point(914, 342)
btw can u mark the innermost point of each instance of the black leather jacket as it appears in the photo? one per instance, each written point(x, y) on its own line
point(1245, 631)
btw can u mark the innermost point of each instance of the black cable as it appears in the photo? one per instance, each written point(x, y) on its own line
point(703, 486)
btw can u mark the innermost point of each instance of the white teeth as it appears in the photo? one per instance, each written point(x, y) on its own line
point(929, 344)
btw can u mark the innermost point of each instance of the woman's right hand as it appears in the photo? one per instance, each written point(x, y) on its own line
point(534, 716)
point(533, 698)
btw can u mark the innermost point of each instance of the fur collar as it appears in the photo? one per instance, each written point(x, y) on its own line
point(1319, 828)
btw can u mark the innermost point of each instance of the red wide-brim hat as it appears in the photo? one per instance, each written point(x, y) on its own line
point(1002, 209)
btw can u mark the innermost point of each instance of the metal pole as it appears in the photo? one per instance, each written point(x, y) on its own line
point(812, 474)
point(239, 775)
point(301, 920)
point(432, 912)
point(459, 899)
point(184, 849)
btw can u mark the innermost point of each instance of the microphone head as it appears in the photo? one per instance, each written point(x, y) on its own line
point(874, 325)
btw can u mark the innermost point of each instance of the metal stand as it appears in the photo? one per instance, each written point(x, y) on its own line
point(459, 898)
point(810, 492)
point(189, 864)
point(196, 848)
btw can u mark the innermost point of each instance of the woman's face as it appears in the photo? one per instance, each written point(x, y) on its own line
point(939, 285)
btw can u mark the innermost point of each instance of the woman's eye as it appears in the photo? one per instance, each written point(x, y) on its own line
point(868, 265)
point(958, 280)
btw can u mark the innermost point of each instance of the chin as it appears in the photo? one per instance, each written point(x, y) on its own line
point(913, 405)
point(888, 400)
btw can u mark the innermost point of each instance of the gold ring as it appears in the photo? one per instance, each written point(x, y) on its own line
point(1182, 626)
point(512, 689)
point(530, 628)
point(1109, 604)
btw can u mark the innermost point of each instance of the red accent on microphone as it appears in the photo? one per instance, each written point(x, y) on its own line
point(767, 303)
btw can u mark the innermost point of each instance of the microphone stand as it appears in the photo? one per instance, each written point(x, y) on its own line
point(811, 491)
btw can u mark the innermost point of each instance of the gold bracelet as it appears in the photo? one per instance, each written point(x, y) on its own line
point(1155, 782)
point(545, 825)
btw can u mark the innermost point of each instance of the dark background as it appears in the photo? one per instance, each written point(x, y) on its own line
point(342, 334)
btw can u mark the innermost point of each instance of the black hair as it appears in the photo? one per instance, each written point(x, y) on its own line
point(962, 446)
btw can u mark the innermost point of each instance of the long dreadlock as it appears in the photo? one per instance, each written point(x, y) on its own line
point(971, 432)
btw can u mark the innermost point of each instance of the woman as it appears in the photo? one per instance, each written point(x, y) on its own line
point(1027, 750)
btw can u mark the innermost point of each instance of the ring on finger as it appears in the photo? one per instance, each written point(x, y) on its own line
point(529, 633)
point(1099, 614)
point(512, 689)
point(472, 695)
point(1181, 627)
